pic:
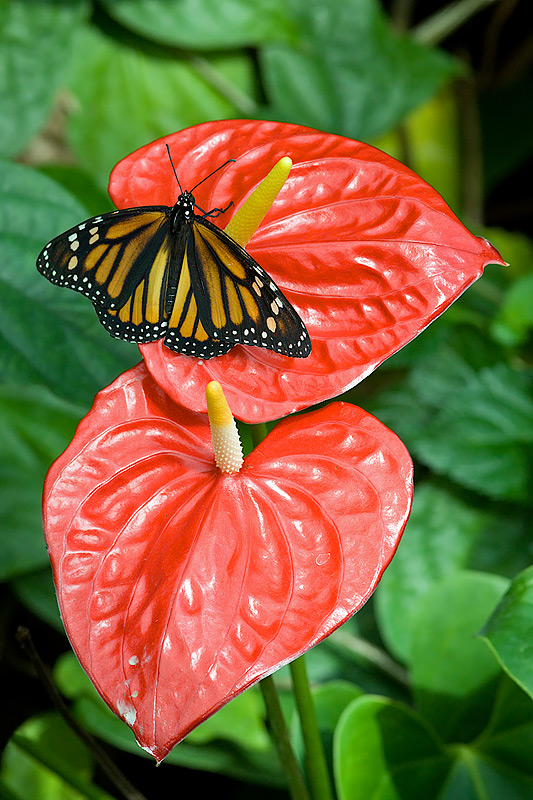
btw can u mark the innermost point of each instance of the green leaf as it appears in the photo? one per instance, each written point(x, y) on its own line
point(384, 751)
point(81, 185)
point(35, 590)
point(478, 777)
point(240, 721)
point(128, 97)
point(453, 671)
point(508, 738)
point(37, 40)
point(45, 760)
point(515, 318)
point(47, 335)
point(35, 426)
point(467, 415)
point(204, 23)
point(482, 434)
point(348, 72)
point(439, 539)
point(510, 630)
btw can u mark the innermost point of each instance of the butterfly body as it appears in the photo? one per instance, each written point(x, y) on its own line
point(166, 272)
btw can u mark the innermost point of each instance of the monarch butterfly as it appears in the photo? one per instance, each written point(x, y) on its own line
point(166, 272)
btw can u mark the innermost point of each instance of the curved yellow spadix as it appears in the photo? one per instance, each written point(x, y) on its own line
point(250, 215)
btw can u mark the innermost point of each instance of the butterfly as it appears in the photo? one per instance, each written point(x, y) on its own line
point(167, 272)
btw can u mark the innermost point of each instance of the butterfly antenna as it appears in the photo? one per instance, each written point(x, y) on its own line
point(173, 167)
point(229, 161)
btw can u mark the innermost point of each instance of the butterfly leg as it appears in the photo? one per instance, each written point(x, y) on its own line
point(215, 212)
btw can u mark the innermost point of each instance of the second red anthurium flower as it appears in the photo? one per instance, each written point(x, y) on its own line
point(179, 584)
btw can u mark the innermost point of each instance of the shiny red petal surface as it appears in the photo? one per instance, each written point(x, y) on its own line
point(366, 251)
point(180, 586)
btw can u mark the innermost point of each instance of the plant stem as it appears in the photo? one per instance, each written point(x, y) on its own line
point(278, 729)
point(105, 762)
point(471, 146)
point(315, 760)
point(371, 654)
point(242, 102)
point(280, 738)
point(447, 20)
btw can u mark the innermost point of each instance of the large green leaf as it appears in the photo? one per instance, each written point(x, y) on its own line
point(510, 630)
point(36, 591)
point(453, 671)
point(498, 764)
point(347, 71)
point(204, 23)
point(467, 415)
point(515, 319)
point(35, 427)
point(439, 538)
point(127, 97)
point(482, 434)
point(47, 335)
point(37, 40)
point(385, 751)
point(44, 760)
point(475, 777)
point(509, 735)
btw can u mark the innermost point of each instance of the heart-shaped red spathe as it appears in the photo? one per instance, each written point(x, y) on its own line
point(366, 251)
point(179, 586)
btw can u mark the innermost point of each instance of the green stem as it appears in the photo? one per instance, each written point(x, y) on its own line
point(280, 738)
point(447, 20)
point(276, 720)
point(315, 760)
point(471, 151)
point(369, 653)
point(242, 102)
point(107, 765)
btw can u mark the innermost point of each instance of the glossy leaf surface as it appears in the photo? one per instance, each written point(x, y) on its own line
point(383, 749)
point(180, 586)
point(367, 252)
point(439, 539)
point(453, 672)
point(509, 630)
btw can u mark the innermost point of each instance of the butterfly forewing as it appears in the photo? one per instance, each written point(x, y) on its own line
point(237, 300)
point(107, 257)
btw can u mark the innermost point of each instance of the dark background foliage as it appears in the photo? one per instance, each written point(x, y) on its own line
point(447, 89)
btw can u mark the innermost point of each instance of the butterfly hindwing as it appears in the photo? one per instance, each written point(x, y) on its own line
point(186, 334)
point(237, 301)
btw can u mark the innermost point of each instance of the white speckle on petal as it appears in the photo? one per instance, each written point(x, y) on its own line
point(127, 711)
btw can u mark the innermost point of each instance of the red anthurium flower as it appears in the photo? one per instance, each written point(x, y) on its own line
point(180, 585)
point(366, 251)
